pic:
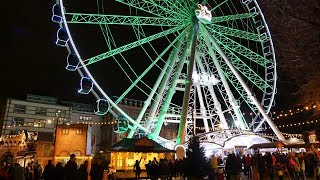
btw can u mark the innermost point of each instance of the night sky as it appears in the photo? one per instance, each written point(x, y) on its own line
point(32, 63)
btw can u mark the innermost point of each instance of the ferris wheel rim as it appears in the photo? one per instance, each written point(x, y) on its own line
point(101, 91)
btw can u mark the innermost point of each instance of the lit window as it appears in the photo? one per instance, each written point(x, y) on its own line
point(65, 131)
point(39, 123)
point(81, 117)
point(79, 131)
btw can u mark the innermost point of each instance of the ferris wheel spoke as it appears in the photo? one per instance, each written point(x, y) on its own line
point(237, 86)
point(244, 69)
point(243, 83)
point(188, 4)
point(241, 123)
point(240, 49)
point(78, 18)
point(231, 17)
point(171, 91)
point(107, 35)
point(139, 78)
point(219, 5)
point(150, 7)
point(239, 120)
point(217, 105)
point(176, 42)
point(177, 6)
point(237, 33)
point(131, 45)
point(159, 57)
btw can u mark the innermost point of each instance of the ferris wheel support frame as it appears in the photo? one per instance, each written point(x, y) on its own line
point(202, 108)
point(244, 85)
point(154, 135)
point(217, 104)
point(232, 100)
point(163, 84)
point(182, 125)
point(153, 91)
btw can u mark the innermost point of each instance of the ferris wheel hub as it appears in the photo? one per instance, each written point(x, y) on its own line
point(203, 14)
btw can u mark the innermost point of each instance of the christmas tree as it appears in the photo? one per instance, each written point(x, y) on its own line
point(196, 164)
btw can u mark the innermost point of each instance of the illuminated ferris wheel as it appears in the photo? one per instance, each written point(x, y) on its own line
point(200, 65)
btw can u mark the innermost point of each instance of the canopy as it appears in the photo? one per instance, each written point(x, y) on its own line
point(245, 140)
point(139, 145)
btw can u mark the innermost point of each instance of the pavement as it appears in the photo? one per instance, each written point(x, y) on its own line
point(143, 175)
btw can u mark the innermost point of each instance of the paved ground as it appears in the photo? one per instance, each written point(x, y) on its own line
point(131, 175)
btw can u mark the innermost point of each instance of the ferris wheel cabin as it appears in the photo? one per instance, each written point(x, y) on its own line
point(86, 85)
point(72, 62)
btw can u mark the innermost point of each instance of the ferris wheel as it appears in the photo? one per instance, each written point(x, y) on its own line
point(200, 65)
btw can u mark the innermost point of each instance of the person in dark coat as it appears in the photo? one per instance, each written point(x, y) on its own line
point(96, 172)
point(37, 171)
point(228, 167)
point(71, 168)
point(59, 171)
point(48, 172)
point(82, 171)
point(18, 172)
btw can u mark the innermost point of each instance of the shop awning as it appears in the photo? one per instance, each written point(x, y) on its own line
point(139, 145)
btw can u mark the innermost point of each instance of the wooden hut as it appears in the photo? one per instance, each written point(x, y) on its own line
point(127, 151)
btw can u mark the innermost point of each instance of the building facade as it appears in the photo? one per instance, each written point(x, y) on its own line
point(35, 114)
point(73, 139)
point(84, 114)
point(42, 114)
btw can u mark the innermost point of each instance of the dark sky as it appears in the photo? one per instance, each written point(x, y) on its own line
point(32, 63)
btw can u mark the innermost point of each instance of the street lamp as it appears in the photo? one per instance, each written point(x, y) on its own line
point(58, 115)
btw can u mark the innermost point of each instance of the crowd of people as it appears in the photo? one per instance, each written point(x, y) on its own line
point(163, 169)
point(297, 166)
point(269, 165)
point(275, 165)
point(71, 170)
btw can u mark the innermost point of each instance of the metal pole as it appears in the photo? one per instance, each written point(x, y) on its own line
point(182, 126)
point(58, 114)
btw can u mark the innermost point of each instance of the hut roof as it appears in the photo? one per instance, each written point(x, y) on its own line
point(139, 145)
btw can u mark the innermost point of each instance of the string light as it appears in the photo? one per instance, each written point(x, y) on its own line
point(287, 113)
